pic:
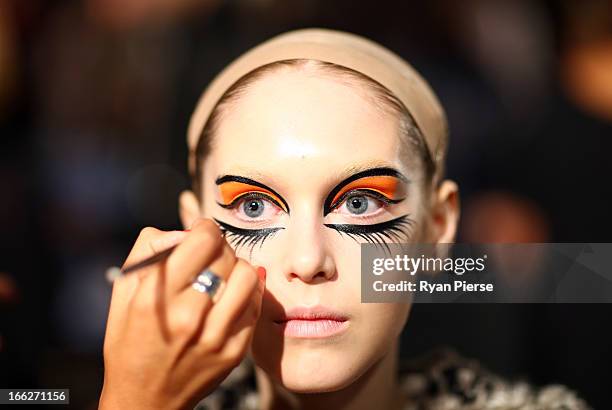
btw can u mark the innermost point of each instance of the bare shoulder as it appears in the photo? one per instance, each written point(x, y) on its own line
point(443, 379)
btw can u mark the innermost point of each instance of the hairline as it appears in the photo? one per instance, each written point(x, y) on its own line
point(380, 95)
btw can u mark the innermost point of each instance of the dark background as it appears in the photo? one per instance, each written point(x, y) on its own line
point(95, 97)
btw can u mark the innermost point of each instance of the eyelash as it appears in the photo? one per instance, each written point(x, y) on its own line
point(377, 233)
point(367, 192)
point(373, 233)
point(239, 237)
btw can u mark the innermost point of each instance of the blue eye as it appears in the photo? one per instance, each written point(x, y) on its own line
point(357, 204)
point(253, 207)
point(361, 204)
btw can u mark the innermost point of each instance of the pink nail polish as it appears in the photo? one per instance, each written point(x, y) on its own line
point(261, 272)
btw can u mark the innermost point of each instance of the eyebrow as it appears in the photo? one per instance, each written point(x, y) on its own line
point(248, 181)
point(370, 172)
point(356, 173)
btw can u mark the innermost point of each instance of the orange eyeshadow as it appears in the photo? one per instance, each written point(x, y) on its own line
point(383, 184)
point(232, 190)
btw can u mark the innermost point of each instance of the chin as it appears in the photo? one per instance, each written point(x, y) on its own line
point(319, 369)
point(319, 381)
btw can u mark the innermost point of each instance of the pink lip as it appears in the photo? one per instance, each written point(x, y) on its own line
point(313, 322)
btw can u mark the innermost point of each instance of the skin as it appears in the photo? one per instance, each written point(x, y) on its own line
point(300, 133)
point(159, 352)
point(297, 132)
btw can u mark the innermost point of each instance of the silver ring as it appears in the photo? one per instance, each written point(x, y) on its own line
point(207, 282)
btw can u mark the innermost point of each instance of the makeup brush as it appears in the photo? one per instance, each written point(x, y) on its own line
point(115, 272)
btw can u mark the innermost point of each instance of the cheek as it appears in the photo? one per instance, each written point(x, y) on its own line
point(328, 366)
point(382, 323)
point(319, 367)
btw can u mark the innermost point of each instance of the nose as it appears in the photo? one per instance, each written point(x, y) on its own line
point(307, 256)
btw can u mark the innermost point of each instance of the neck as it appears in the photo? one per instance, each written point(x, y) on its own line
point(377, 388)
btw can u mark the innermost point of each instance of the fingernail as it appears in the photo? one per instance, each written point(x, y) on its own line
point(187, 230)
point(261, 272)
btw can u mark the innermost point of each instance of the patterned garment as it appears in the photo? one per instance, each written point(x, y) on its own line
point(442, 380)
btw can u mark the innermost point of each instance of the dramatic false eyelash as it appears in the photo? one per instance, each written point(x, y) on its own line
point(367, 192)
point(392, 230)
point(250, 195)
point(239, 237)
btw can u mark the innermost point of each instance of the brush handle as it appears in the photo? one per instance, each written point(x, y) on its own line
point(115, 272)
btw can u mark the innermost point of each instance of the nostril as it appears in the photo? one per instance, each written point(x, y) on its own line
point(309, 276)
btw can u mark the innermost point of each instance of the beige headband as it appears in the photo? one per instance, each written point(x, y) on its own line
point(344, 49)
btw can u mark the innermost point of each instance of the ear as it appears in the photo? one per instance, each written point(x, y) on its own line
point(189, 208)
point(445, 212)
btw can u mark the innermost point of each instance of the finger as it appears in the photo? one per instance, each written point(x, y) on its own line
point(261, 288)
point(237, 295)
point(186, 314)
point(156, 294)
point(188, 308)
point(149, 241)
point(241, 334)
point(200, 249)
point(195, 298)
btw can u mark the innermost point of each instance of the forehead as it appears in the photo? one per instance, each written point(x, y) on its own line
point(294, 123)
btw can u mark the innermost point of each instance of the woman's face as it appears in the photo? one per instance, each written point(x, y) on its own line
point(318, 159)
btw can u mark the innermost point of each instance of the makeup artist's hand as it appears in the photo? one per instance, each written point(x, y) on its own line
point(167, 345)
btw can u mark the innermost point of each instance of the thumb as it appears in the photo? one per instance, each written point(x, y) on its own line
point(261, 287)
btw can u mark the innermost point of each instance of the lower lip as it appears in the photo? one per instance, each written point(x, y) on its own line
point(318, 328)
